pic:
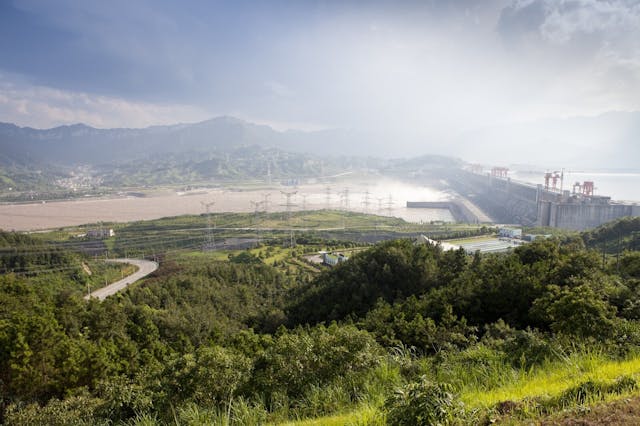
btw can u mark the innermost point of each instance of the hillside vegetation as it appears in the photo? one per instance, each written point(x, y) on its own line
point(399, 334)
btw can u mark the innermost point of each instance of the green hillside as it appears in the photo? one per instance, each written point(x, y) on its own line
point(398, 334)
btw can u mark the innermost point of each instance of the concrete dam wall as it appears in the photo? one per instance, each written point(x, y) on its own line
point(584, 215)
point(509, 201)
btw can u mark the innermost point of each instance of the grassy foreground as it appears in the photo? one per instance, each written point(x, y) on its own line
point(540, 394)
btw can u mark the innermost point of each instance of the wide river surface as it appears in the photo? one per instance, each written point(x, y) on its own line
point(384, 197)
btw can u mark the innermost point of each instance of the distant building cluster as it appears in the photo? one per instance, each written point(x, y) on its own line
point(510, 232)
point(332, 259)
point(517, 233)
point(423, 239)
point(100, 233)
point(533, 237)
point(290, 182)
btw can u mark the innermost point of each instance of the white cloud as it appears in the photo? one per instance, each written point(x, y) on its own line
point(581, 57)
point(610, 19)
point(43, 107)
point(278, 89)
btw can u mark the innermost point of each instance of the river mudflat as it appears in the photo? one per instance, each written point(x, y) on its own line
point(385, 197)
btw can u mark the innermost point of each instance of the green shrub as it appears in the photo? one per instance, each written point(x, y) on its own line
point(244, 412)
point(623, 384)
point(422, 403)
point(124, 398)
point(522, 348)
point(301, 359)
point(581, 393)
point(245, 258)
point(210, 376)
point(73, 411)
point(479, 366)
point(590, 391)
point(577, 311)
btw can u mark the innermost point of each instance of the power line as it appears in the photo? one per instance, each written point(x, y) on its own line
point(389, 204)
point(256, 205)
point(327, 192)
point(289, 204)
point(344, 199)
point(210, 242)
point(366, 201)
point(265, 200)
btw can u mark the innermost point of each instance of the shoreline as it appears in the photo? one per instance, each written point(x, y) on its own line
point(160, 202)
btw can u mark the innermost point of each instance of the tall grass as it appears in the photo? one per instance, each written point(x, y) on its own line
point(366, 415)
point(550, 379)
point(488, 385)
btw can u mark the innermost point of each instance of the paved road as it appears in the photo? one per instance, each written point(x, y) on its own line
point(145, 267)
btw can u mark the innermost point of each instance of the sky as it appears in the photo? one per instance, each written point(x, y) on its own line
point(406, 71)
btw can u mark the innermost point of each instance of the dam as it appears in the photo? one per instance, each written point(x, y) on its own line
point(510, 201)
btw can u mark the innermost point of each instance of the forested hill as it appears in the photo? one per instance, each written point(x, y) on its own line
point(616, 236)
point(21, 253)
point(401, 332)
point(526, 288)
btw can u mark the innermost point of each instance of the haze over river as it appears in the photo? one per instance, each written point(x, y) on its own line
point(165, 203)
point(617, 185)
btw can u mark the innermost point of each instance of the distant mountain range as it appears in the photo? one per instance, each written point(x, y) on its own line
point(81, 144)
point(607, 141)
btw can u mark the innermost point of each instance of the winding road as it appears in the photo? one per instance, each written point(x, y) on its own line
point(145, 267)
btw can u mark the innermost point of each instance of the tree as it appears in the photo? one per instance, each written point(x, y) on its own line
point(577, 311)
point(422, 403)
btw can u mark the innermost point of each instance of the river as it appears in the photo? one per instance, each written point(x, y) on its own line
point(381, 196)
point(620, 186)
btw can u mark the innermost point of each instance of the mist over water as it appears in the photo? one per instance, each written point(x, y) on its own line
point(620, 186)
point(389, 197)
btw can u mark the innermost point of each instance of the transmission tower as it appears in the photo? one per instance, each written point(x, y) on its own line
point(389, 204)
point(256, 208)
point(210, 241)
point(269, 172)
point(327, 192)
point(265, 201)
point(366, 201)
point(344, 199)
point(289, 204)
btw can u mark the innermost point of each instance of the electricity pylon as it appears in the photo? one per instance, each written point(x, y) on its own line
point(211, 243)
point(289, 204)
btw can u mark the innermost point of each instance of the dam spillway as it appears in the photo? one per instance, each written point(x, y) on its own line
point(510, 201)
point(457, 208)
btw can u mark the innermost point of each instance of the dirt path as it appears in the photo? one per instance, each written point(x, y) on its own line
point(623, 412)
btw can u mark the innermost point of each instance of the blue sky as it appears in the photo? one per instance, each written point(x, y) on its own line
point(412, 69)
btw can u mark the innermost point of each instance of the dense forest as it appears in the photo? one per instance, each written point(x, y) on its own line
point(402, 332)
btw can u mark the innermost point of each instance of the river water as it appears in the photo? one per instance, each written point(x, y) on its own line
point(386, 197)
point(620, 186)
